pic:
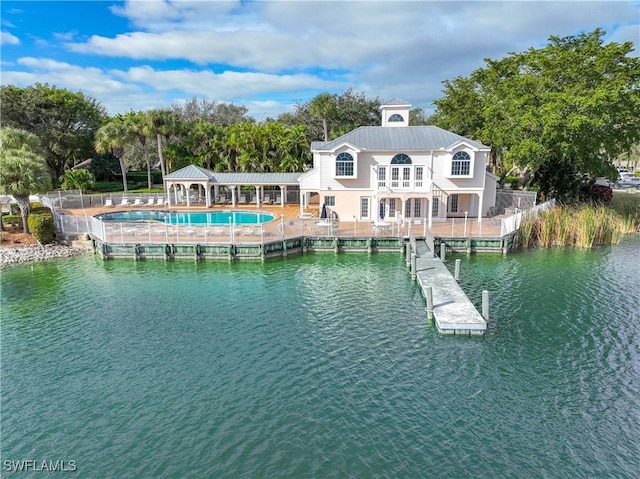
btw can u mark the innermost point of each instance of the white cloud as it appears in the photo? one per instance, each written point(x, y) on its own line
point(256, 53)
point(7, 39)
point(224, 86)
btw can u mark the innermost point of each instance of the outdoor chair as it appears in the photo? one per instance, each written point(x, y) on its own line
point(151, 202)
point(137, 202)
point(108, 202)
point(125, 202)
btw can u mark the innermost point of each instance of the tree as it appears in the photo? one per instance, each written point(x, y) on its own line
point(141, 129)
point(79, 179)
point(570, 107)
point(113, 137)
point(323, 106)
point(328, 116)
point(64, 121)
point(162, 123)
point(220, 114)
point(23, 170)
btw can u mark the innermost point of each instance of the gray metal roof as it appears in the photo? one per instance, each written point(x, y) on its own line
point(191, 172)
point(408, 138)
point(396, 102)
point(257, 178)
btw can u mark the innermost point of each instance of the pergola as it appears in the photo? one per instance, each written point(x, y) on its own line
point(179, 183)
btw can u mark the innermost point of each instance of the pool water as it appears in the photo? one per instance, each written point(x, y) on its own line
point(190, 217)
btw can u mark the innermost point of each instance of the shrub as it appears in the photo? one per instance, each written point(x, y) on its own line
point(11, 220)
point(41, 227)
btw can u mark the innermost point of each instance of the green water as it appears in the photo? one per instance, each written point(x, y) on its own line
point(322, 366)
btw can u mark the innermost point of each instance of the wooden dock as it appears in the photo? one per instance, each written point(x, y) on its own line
point(454, 313)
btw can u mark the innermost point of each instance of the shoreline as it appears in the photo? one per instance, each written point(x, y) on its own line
point(32, 253)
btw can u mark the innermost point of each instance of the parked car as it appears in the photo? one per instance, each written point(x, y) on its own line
point(629, 182)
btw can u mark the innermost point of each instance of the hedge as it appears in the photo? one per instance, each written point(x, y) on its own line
point(42, 227)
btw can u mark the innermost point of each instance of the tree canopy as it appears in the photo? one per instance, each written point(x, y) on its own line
point(64, 121)
point(564, 110)
point(23, 170)
point(327, 116)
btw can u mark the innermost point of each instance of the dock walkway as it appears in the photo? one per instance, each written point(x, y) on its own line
point(453, 312)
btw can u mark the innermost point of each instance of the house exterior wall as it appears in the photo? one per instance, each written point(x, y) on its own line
point(428, 175)
point(348, 191)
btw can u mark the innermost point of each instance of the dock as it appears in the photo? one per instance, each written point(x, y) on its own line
point(454, 313)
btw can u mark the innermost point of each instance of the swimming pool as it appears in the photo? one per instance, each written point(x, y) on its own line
point(190, 218)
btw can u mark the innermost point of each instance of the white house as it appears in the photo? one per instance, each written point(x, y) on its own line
point(400, 172)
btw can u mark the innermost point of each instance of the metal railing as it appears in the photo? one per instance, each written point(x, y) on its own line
point(512, 223)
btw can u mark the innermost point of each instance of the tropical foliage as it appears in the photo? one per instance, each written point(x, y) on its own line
point(79, 179)
point(562, 111)
point(23, 170)
point(64, 121)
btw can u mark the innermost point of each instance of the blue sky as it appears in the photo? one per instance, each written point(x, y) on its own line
point(269, 55)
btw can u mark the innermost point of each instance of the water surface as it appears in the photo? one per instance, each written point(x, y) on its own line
point(323, 366)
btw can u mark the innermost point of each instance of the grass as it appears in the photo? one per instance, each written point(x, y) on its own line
point(582, 226)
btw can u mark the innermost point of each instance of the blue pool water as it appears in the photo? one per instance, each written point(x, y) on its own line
point(190, 217)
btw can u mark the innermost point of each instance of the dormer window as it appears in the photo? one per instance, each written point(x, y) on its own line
point(461, 164)
point(344, 164)
point(396, 117)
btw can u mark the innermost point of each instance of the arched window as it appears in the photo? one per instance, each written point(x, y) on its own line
point(344, 164)
point(401, 159)
point(461, 164)
point(396, 117)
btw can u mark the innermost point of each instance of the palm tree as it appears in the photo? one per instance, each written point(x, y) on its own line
point(323, 106)
point(80, 179)
point(162, 123)
point(23, 171)
point(113, 137)
point(138, 124)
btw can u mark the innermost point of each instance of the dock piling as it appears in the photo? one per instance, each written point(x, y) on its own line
point(485, 305)
point(457, 270)
point(413, 266)
point(443, 251)
point(429, 294)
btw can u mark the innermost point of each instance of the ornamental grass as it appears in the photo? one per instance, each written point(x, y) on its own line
point(579, 226)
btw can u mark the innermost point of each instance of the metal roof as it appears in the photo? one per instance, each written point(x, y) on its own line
point(396, 102)
point(257, 178)
point(193, 172)
point(408, 138)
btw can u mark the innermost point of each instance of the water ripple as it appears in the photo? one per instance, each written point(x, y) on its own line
point(323, 366)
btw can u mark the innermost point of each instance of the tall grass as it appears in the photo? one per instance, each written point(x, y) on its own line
point(580, 226)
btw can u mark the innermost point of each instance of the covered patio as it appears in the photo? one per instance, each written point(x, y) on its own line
point(196, 185)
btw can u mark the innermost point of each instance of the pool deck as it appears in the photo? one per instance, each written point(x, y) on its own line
point(451, 228)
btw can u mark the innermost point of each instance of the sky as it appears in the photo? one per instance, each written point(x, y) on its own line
point(271, 55)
